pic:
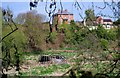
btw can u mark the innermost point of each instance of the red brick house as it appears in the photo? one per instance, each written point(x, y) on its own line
point(63, 17)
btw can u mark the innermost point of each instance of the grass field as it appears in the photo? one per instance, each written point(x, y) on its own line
point(31, 66)
point(34, 68)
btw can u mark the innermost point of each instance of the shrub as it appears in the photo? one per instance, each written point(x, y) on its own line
point(13, 46)
point(53, 36)
point(101, 32)
point(111, 35)
point(104, 44)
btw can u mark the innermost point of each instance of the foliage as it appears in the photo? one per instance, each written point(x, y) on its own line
point(44, 70)
point(104, 44)
point(63, 27)
point(112, 35)
point(16, 43)
point(90, 16)
point(106, 34)
point(33, 30)
point(117, 22)
point(31, 37)
point(101, 32)
point(17, 39)
point(72, 33)
point(53, 36)
point(0, 21)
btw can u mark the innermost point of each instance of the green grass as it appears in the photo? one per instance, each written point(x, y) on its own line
point(99, 66)
point(31, 56)
point(46, 70)
point(43, 70)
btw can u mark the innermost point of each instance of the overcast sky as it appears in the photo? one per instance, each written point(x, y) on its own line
point(20, 7)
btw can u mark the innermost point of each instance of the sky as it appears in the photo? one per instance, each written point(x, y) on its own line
point(22, 7)
point(58, 0)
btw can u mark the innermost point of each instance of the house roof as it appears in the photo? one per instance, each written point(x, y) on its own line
point(107, 20)
point(64, 12)
point(99, 18)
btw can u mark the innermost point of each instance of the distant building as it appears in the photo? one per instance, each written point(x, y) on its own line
point(63, 17)
point(107, 23)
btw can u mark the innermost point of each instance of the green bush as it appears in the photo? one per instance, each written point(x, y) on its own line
point(104, 44)
point(9, 50)
point(53, 36)
point(106, 34)
point(111, 35)
point(101, 32)
point(72, 33)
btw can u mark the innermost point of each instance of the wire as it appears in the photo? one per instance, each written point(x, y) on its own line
point(102, 7)
point(61, 9)
point(78, 7)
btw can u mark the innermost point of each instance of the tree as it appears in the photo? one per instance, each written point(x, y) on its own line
point(90, 16)
point(33, 29)
point(101, 32)
point(117, 22)
point(12, 43)
point(20, 19)
point(70, 33)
